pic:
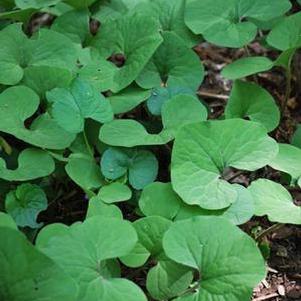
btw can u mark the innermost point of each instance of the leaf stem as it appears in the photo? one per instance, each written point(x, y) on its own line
point(88, 144)
point(268, 231)
point(288, 88)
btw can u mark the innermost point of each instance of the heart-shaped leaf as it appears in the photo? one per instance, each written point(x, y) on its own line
point(173, 64)
point(223, 264)
point(202, 152)
point(114, 193)
point(82, 250)
point(70, 107)
point(133, 38)
point(19, 103)
point(273, 200)
point(141, 166)
point(229, 22)
point(32, 164)
point(30, 275)
point(25, 203)
point(252, 101)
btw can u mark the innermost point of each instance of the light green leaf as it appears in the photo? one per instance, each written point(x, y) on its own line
point(226, 23)
point(287, 34)
point(159, 199)
point(202, 151)
point(114, 193)
point(80, 4)
point(141, 166)
point(25, 203)
point(252, 101)
point(229, 268)
point(83, 250)
point(273, 200)
point(173, 65)
point(288, 160)
point(137, 258)
point(32, 164)
point(25, 4)
point(247, 66)
point(70, 107)
point(18, 104)
point(7, 221)
point(74, 24)
point(168, 279)
point(91, 178)
point(133, 36)
point(128, 99)
point(98, 208)
point(30, 275)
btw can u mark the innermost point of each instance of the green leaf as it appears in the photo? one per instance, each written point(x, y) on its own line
point(178, 111)
point(114, 193)
point(296, 139)
point(19, 103)
point(74, 24)
point(133, 36)
point(141, 166)
point(32, 164)
point(128, 99)
point(24, 4)
point(239, 212)
point(173, 64)
point(98, 208)
point(137, 258)
point(159, 199)
point(30, 275)
point(250, 100)
point(25, 203)
point(7, 221)
point(288, 160)
point(91, 178)
point(224, 264)
point(70, 107)
point(226, 22)
point(168, 279)
point(247, 66)
point(82, 251)
point(80, 4)
point(273, 200)
point(287, 34)
point(202, 152)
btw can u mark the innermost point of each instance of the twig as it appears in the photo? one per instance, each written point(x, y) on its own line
point(212, 95)
point(266, 297)
point(269, 230)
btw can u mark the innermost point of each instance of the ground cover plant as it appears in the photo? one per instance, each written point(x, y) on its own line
point(150, 150)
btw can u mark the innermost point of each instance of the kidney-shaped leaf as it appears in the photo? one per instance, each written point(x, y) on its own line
point(32, 164)
point(273, 200)
point(18, 104)
point(229, 263)
point(27, 274)
point(250, 100)
point(25, 203)
point(203, 150)
point(82, 251)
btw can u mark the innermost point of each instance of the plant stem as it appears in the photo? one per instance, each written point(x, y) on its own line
point(269, 230)
point(88, 144)
point(287, 89)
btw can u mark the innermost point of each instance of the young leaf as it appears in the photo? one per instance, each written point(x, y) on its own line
point(30, 275)
point(223, 264)
point(91, 178)
point(18, 104)
point(84, 248)
point(226, 23)
point(142, 166)
point(114, 193)
point(159, 199)
point(203, 150)
point(25, 203)
point(247, 66)
point(173, 64)
point(273, 200)
point(252, 101)
point(135, 38)
point(32, 164)
point(288, 160)
point(70, 107)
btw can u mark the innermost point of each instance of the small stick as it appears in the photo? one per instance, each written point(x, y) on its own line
point(212, 95)
point(269, 230)
point(266, 297)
